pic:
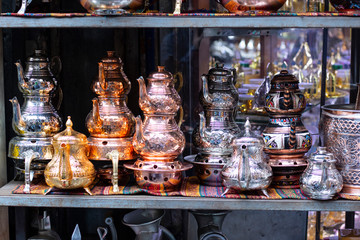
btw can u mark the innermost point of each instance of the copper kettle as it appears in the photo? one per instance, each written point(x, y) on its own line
point(70, 167)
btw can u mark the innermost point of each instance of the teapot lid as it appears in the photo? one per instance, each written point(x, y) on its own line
point(161, 74)
point(284, 76)
point(249, 137)
point(38, 56)
point(69, 135)
point(111, 58)
point(321, 155)
point(220, 70)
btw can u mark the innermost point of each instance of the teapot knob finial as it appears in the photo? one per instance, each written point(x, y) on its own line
point(161, 68)
point(110, 53)
point(69, 123)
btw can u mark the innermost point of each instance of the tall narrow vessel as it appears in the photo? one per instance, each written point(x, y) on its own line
point(286, 138)
point(158, 139)
point(36, 121)
point(110, 123)
point(217, 127)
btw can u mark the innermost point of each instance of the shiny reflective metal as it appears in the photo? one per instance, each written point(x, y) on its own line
point(209, 171)
point(158, 138)
point(236, 6)
point(217, 126)
point(37, 117)
point(321, 180)
point(110, 7)
point(70, 167)
point(286, 138)
point(247, 169)
point(160, 95)
point(110, 222)
point(146, 224)
point(210, 224)
point(110, 123)
point(110, 117)
point(340, 132)
point(159, 176)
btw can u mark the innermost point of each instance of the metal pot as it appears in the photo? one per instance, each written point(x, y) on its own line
point(340, 132)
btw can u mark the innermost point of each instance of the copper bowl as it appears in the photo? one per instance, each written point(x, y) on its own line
point(346, 6)
point(252, 5)
point(158, 176)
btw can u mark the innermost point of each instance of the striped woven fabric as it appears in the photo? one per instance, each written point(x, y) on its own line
point(189, 188)
point(201, 14)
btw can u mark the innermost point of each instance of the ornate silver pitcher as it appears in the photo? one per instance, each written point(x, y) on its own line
point(321, 180)
point(217, 127)
point(247, 169)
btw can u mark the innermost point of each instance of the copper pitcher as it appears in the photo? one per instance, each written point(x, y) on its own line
point(70, 167)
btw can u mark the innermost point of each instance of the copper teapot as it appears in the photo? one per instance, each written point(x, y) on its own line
point(37, 117)
point(160, 95)
point(70, 167)
point(158, 138)
point(110, 116)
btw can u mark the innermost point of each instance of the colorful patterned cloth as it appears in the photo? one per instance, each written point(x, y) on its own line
point(201, 14)
point(189, 188)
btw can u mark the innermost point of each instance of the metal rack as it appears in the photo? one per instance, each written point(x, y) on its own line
point(136, 201)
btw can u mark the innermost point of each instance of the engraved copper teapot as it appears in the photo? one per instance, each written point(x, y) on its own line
point(70, 167)
point(37, 117)
point(247, 169)
point(110, 117)
point(160, 95)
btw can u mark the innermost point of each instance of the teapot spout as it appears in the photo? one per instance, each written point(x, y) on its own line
point(206, 94)
point(96, 113)
point(138, 137)
point(17, 122)
point(20, 73)
point(143, 96)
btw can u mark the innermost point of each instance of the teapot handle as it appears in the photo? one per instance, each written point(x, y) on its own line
point(181, 116)
point(179, 76)
point(292, 136)
point(56, 66)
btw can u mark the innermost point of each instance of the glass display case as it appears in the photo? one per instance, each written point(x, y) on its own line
point(187, 46)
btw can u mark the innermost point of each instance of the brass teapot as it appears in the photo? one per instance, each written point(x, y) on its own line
point(160, 95)
point(110, 116)
point(37, 117)
point(70, 167)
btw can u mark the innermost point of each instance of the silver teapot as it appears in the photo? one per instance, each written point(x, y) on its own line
point(321, 180)
point(247, 169)
point(37, 117)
